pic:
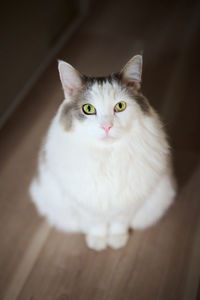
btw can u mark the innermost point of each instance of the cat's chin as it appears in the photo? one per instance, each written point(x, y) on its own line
point(108, 140)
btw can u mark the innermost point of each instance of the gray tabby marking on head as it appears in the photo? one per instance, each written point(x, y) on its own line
point(89, 81)
point(140, 99)
point(70, 111)
point(130, 88)
point(76, 86)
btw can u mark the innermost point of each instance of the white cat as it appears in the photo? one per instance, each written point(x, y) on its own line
point(105, 163)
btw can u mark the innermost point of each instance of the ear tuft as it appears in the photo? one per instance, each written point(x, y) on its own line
point(132, 72)
point(70, 79)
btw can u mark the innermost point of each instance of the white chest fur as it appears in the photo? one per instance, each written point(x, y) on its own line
point(105, 179)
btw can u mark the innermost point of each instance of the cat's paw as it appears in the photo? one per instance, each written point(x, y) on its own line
point(117, 241)
point(97, 243)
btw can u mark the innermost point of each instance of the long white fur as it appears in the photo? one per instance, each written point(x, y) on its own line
point(99, 186)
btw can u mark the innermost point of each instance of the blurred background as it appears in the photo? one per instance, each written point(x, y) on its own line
point(31, 34)
point(97, 37)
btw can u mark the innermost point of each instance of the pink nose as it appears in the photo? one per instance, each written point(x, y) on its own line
point(106, 127)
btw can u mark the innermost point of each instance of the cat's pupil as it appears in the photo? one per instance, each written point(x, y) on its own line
point(89, 108)
point(120, 105)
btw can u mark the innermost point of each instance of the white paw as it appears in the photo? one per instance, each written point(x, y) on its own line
point(97, 243)
point(116, 241)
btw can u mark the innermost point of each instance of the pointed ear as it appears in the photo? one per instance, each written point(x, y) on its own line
point(70, 79)
point(132, 72)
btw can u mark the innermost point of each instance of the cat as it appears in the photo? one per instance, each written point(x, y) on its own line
point(105, 164)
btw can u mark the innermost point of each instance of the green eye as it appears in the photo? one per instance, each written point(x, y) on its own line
point(89, 109)
point(120, 106)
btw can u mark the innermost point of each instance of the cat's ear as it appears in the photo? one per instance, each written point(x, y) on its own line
point(132, 72)
point(70, 79)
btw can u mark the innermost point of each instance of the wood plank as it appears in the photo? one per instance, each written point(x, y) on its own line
point(27, 262)
point(191, 289)
point(21, 232)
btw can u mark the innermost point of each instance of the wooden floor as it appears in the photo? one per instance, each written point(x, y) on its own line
point(161, 263)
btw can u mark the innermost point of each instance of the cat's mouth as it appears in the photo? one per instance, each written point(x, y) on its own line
point(108, 139)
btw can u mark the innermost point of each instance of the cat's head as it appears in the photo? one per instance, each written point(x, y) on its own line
point(102, 108)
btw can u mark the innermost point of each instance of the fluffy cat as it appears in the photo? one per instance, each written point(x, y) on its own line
point(105, 164)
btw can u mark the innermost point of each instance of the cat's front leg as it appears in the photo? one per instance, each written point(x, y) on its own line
point(96, 238)
point(118, 235)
